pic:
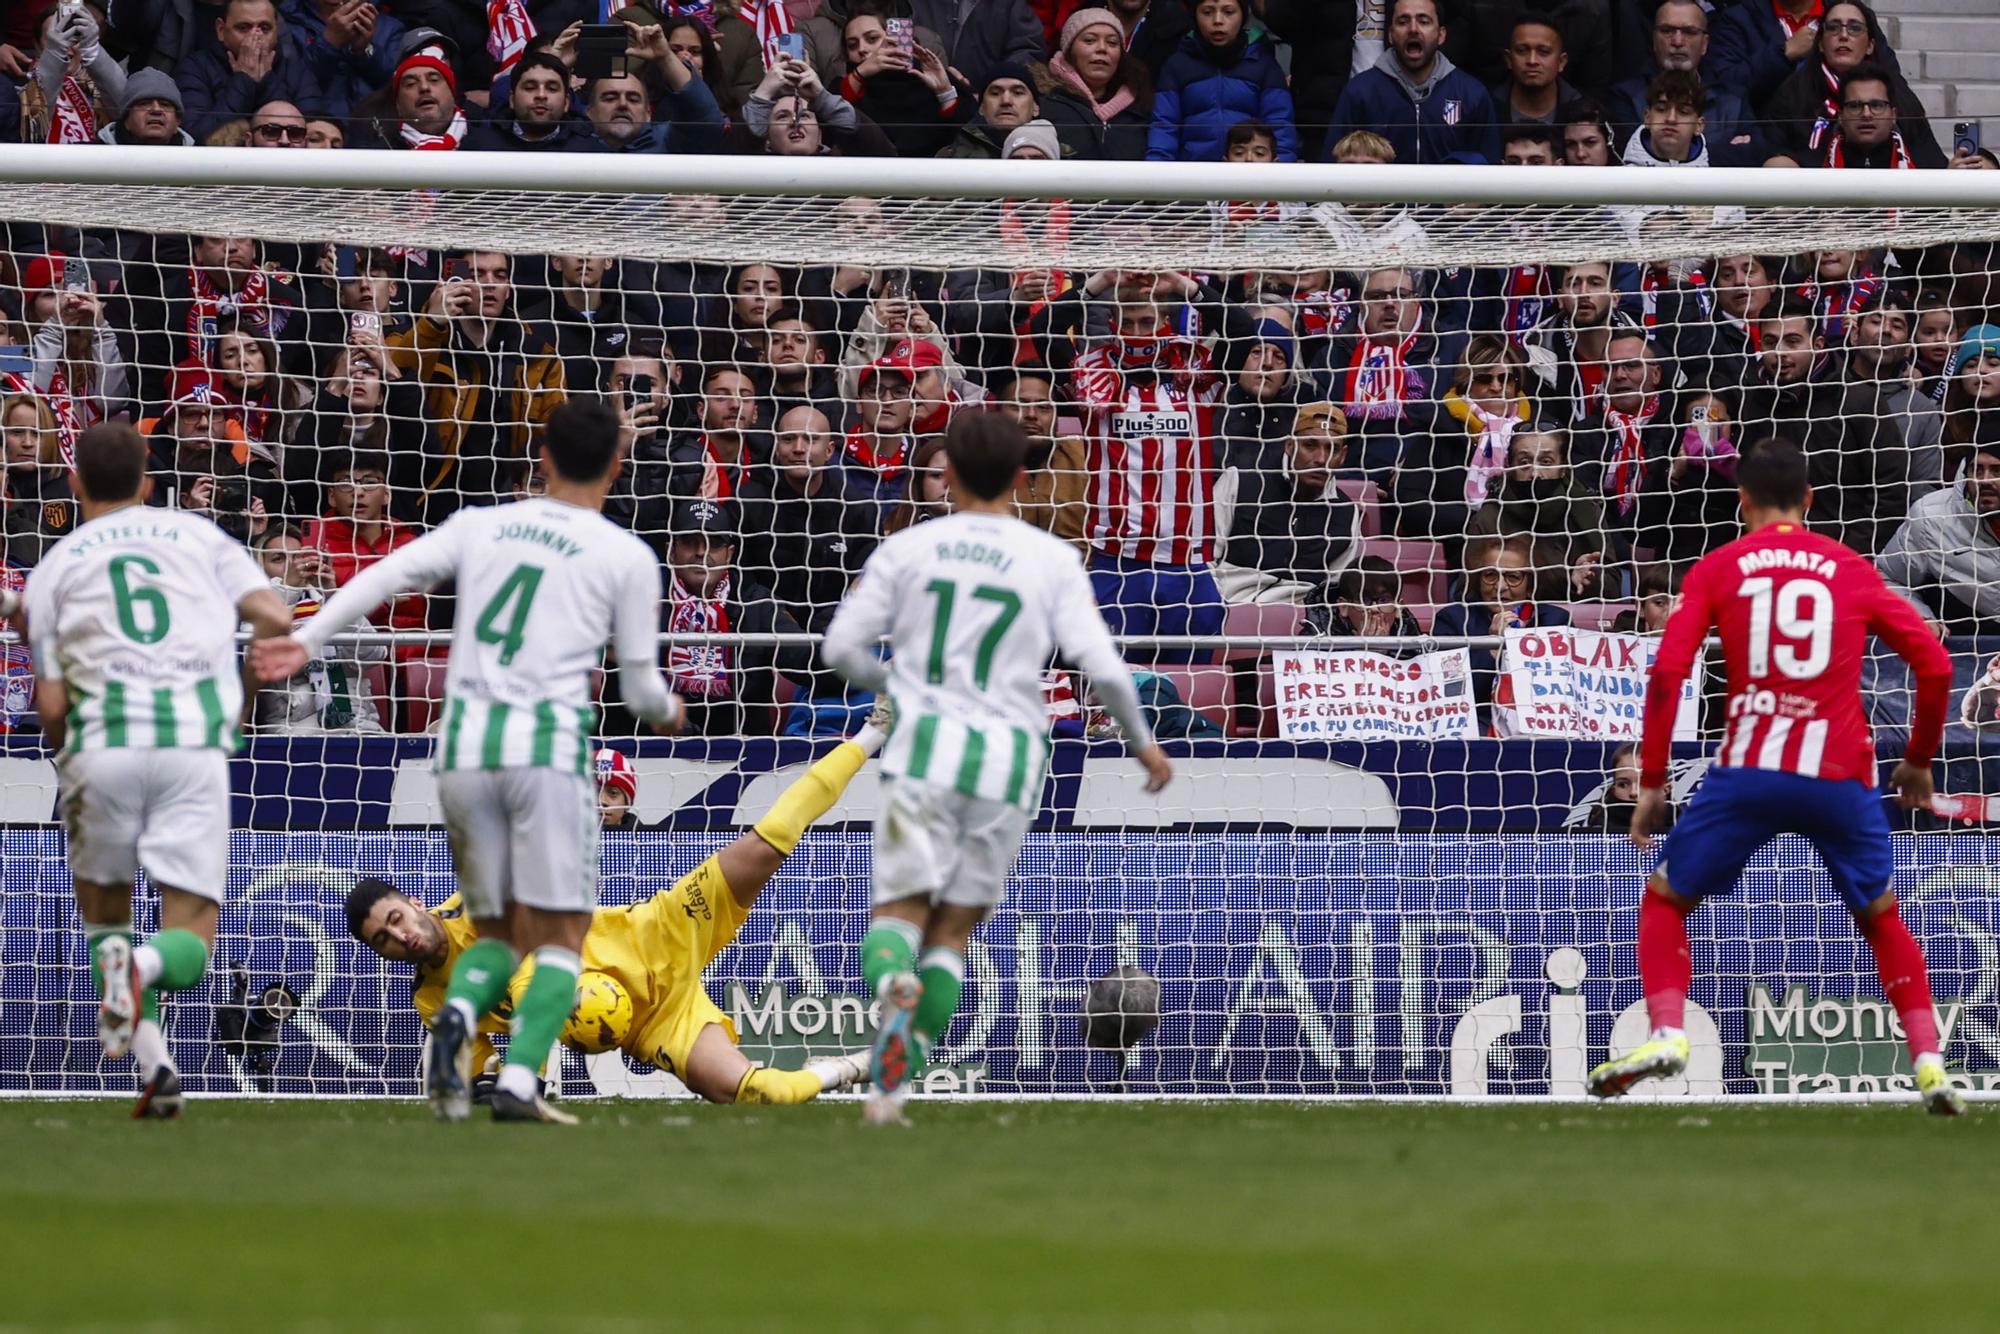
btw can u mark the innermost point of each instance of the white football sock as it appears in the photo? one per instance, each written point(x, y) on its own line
point(149, 1046)
point(518, 1080)
point(146, 962)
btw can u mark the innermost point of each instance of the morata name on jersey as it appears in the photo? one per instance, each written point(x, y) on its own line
point(1771, 558)
point(975, 553)
point(528, 532)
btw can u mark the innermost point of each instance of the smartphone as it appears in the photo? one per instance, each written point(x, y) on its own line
point(1965, 135)
point(641, 388)
point(363, 322)
point(599, 49)
point(346, 263)
point(1704, 426)
point(896, 284)
point(790, 45)
point(76, 276)
point(903, 35)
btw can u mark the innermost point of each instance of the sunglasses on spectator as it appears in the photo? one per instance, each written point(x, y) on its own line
point(273, 130)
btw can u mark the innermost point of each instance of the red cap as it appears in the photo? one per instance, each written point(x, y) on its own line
point(42, 274)
point(910, 356)
point(614, 769)
point(431, 57)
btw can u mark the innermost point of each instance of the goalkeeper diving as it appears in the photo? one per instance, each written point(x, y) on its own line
point(654, 952)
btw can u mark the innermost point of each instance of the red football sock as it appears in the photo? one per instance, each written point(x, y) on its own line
point(1905, 981)
point(1665, 969)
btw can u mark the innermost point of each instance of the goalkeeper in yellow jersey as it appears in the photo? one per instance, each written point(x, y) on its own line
point(654, 951)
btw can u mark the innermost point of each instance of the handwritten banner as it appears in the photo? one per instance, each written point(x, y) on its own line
point(1588, 683)
point(1360, 696)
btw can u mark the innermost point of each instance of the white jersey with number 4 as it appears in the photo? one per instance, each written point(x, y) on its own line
point(542, 585)
point(136, 613)
point(973, 606)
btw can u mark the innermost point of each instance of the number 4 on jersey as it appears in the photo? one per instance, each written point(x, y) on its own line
point(510, 602)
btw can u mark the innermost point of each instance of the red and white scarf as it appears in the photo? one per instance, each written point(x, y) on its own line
point(772, 20)
point(509, 29)
point(720, 478)
point(1792, 25)
point(71, 417)
point(886, 459)
point(453, 136)
point(1652, 282)
point(250, 303)
point(698, 671)
point(1624, 469)
point(1899, 153)
point(73, 120)
point(1378, 375)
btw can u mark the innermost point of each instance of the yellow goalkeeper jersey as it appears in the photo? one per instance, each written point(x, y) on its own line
point(655, 949)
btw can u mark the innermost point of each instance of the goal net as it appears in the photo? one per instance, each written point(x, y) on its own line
point(1385, 477)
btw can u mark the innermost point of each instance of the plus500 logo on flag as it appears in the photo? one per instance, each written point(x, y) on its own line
point(1296, 964)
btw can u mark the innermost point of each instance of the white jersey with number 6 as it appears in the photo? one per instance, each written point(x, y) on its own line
point(542, 586)
point(135, 612)
point(973, 606)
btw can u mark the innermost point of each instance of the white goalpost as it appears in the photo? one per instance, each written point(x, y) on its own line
point(1439, 440)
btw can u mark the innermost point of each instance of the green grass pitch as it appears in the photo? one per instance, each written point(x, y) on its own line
point(1023, 1217)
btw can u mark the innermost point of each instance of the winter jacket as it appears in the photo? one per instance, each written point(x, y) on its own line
point(1271, 526)
point(215, 94)
point(1795, 110)
point(1120, 139)
point(971, 36)
point(808, 548)
point(687, 121)
point(1946, 556)
point(487, 403)
point(1054, 497)
point(1321, 35)
point(1448, 113)
point(1736, 137)
point(1204, 90)
point(1746, 51)
point(503, 135)
point(1477, 33)
point(345, 76)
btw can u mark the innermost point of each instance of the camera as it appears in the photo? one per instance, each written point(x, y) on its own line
point(247, 1026)
point(229, 502)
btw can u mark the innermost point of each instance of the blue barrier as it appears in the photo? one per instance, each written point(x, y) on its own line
point(1289, 963)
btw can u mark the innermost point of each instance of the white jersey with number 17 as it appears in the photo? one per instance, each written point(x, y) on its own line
point(973, 606)
point(542, 586)
point(136, 613)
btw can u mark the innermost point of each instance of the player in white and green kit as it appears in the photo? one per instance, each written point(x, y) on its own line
point(543, 584)
point(131, 621)
point(973, 605)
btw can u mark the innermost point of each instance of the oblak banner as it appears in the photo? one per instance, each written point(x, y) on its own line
point(1589, 684)
point(1289, 964)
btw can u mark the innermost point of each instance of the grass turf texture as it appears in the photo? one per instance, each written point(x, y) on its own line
point(1116, 1216)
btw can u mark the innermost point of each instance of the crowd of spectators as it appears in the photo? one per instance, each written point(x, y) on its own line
point(1388, 452)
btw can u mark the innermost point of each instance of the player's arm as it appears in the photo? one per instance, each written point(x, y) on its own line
point(1903, 630)
point(858, 627)
point(429, 560)
point(1081, 634)
point(1686, 628)
point(36, 606)
point(635, 644)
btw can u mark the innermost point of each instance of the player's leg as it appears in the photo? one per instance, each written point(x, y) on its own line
point(990, 834)
point(555, 830)
point(1852, 839)
point(1725, 823)
point(716, 1069)
point(749, 863)
point(477, 824)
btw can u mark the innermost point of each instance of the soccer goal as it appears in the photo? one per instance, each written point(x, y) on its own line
point(1386, 477)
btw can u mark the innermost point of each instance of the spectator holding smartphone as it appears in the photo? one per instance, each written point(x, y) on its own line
point(901, 84)
point(78, 364)
point(620, 105)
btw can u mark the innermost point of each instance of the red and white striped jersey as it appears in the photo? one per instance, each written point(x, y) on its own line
point(1794, 611)
point(1152, 452)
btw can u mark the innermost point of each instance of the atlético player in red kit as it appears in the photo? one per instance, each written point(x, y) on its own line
point(1794, 610)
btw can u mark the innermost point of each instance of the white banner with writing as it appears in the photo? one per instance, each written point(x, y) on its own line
point(1343, 695)
point(1589, 684)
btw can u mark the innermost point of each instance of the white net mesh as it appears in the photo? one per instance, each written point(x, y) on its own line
point(1388, 501)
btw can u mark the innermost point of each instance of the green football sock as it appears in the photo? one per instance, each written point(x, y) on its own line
point(890, 947)
point(544, 1007)
point(183, 959)
point(943, 975)
point(481, 975)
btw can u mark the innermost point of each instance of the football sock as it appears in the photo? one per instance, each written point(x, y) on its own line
point(810, 797)
point(543, 1009)
point(1665, 968)
point(942, 971)
point(479, 978)
point(1905, 981)
point(173, 960)
point(149, 1048)
point(890, 947)
point(779, 1088)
